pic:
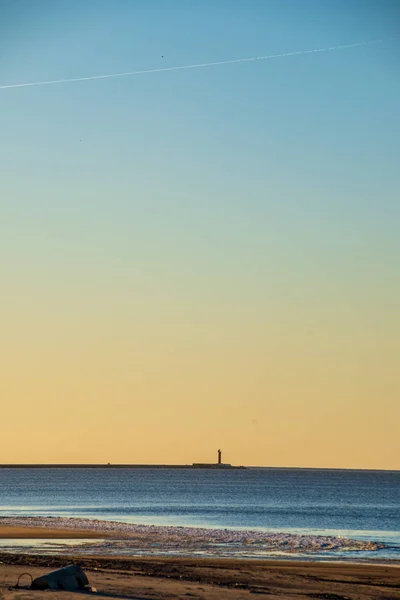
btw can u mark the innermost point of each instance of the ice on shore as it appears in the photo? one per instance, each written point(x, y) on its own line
point(131, 539)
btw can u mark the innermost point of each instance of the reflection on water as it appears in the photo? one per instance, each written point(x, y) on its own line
point(90, 547)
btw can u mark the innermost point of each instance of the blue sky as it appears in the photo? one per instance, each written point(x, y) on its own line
point(240, 196)
point(308, 143)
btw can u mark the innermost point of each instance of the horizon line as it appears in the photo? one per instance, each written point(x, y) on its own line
point(176, 465)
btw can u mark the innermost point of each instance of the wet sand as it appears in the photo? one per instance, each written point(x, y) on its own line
point(12, 532)
point(208, 579)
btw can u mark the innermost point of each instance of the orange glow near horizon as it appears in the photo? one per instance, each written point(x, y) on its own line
point(141, 385)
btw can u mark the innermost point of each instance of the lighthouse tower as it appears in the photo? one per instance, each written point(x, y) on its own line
point(219, 457)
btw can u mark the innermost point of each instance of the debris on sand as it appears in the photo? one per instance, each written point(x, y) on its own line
point(69, 578)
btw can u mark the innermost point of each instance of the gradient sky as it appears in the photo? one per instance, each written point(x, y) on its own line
point(203, 258)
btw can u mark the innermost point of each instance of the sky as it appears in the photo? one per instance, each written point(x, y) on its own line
point(202, 258)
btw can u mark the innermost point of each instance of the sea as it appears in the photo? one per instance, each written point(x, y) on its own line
point(250, 513)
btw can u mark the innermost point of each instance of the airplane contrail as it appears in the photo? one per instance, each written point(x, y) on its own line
point(194, 66)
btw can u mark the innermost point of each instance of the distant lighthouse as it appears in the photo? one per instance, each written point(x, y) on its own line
point(217, 465)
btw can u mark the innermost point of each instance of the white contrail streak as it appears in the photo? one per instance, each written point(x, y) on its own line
point(195, 66)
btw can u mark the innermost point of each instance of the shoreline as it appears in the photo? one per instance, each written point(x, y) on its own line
point(149, 576)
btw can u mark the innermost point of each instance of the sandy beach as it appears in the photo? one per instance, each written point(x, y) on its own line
point(145, 579)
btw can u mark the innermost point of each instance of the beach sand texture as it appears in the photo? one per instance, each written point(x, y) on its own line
point(208, 579)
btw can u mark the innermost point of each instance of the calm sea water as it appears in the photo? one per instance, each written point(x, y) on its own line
point(359, 504)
